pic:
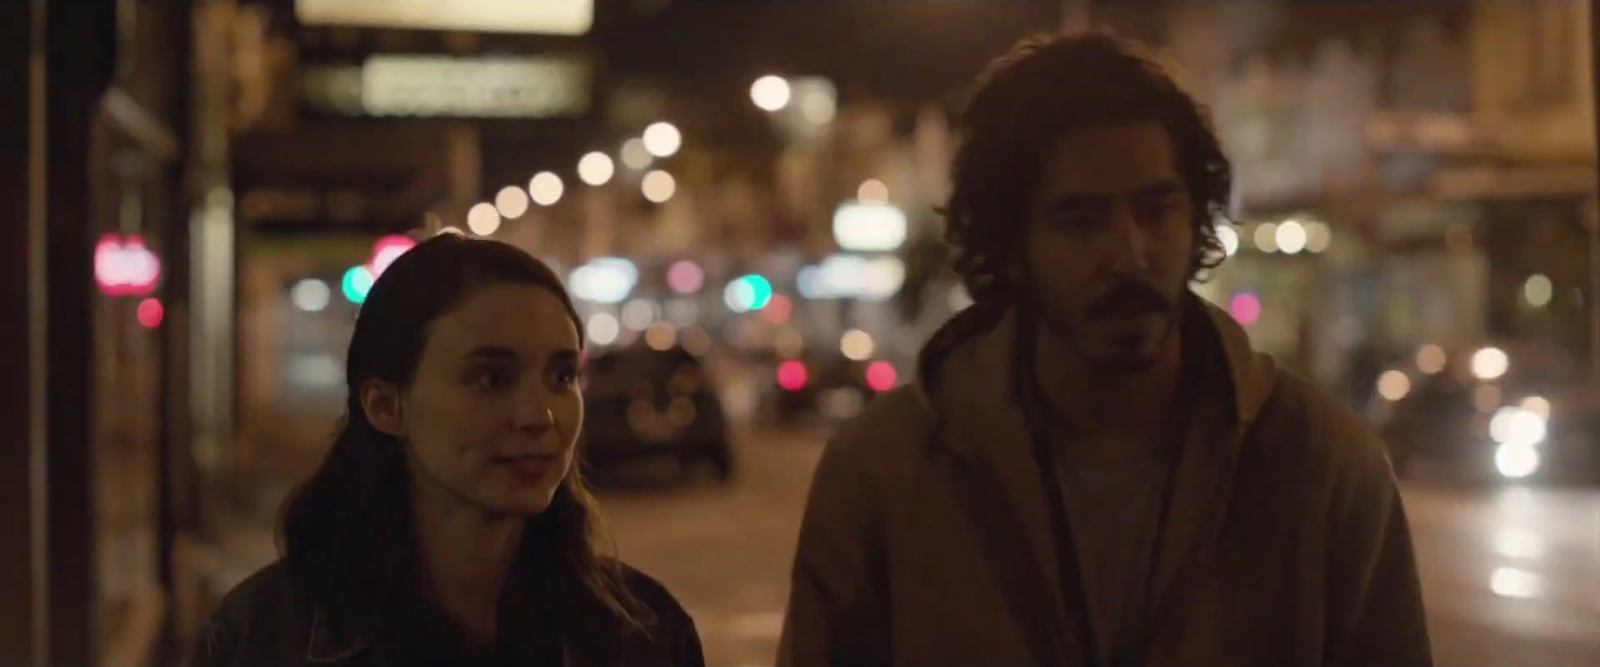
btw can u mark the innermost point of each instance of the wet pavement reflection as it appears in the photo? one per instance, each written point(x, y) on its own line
point(1511, 575)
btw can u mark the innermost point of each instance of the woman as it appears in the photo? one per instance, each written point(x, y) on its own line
point(449, 524)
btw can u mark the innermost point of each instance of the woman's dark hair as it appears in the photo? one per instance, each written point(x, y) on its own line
point(347, 532)
point(1042, 87)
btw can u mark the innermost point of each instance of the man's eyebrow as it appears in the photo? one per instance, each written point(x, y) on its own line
point(1078, 200)
point(1158, 189)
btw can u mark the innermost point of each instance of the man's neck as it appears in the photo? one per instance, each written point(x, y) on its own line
point(465, 556)
point(1098, 402)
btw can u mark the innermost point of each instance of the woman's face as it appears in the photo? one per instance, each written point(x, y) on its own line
point(493, 411)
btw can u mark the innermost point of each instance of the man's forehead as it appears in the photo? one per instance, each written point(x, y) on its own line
point(1109, 159)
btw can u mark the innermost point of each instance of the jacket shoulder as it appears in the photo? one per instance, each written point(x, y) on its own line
point(895, 423)
point(670, 629)
point(1332, 436)
point(248, 620)
point(652, 595)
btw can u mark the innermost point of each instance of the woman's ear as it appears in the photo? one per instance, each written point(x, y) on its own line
point(380, 400)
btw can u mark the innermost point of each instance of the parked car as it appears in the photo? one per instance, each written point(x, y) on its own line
point(642, 403)
point(1491, 412)
point(826, 386)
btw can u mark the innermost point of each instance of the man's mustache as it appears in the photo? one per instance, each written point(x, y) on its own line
point(1131, 297)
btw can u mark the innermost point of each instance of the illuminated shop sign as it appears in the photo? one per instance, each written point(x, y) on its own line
point(486, 87)
point(547, 17)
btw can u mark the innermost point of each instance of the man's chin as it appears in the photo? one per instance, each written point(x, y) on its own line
point(1125, 351)
point(1119, 362)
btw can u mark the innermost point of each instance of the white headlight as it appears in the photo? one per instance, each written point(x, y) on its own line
point(1490, 363)
point(1516, 426)
point(1516, 461)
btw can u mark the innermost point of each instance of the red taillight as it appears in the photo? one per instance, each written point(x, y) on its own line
point(881, 376)
point(792, 375)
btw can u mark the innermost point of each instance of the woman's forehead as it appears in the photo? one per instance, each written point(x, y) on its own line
point(524, 319)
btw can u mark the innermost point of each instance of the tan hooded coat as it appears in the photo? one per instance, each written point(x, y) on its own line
point(1288, 545)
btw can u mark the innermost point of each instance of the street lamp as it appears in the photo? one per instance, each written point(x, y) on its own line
point(770, 93)
point(596, 168)
point(662, 139)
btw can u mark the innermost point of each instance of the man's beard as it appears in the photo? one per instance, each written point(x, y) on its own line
point(1134, 352)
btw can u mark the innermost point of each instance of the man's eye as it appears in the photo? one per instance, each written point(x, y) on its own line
point(1077, 221)
point(1156, 211)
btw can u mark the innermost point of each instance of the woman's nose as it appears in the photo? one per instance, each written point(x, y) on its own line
point(534, 416)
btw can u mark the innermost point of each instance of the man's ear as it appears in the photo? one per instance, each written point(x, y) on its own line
point(381, 402)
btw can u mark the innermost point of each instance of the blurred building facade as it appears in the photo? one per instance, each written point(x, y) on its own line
point(1408, 173)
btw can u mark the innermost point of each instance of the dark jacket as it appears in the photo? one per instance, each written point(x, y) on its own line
point(264, 622)
point(928, 537)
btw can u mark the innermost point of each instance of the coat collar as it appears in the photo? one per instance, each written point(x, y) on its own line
point(536, 596)
point(972, 396)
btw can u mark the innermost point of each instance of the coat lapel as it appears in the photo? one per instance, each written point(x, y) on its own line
point(991, 453)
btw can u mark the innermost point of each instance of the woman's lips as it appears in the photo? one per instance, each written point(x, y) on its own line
point(528, 466)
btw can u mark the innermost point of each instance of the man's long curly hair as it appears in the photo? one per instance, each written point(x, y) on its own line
point(1039, 89)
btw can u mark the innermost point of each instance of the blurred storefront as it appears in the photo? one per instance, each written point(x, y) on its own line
point(1497, 194)
point(103, 198)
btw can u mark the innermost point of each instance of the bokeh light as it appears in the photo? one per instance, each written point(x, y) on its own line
point(856, 345)
point(483, 219)
point(685, 277)
point(1319, 237)
point(150, 313)
point(1245, 307)
point(635, 155)
point(1490, 363)
point(511, 202)
point(546, 188)
point(603, 328)
point(770, 93)
point(881, 376)
point(792, 375)
point(747, 293)
point(872, 191)
point(661, 336)
point(658, 186)
point(1393, 385)
point(310, 295)
point(1229, 236)
point(1431, 359)
point(356, 283)
point(596, 168)
point(1290, 237)
point(778, 310)
point(1266, 237)
point(662, 139)
point(388, 249)
point(1538, 290)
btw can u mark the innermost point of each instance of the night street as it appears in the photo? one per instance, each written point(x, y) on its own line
point(1512, 576)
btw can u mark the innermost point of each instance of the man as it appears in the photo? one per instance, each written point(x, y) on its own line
point(1094, 467)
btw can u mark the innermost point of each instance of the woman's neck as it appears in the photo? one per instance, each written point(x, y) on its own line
point(465, 556)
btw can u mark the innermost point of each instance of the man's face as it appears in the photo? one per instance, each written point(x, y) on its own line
point(1109, 243)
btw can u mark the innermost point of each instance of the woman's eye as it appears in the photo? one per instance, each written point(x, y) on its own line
point(566, 377)
point(493, 380)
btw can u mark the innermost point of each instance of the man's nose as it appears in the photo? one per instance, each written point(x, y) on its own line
point(1129, 242)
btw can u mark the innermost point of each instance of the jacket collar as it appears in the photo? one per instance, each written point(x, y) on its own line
point(975, 407)
point(331, 643)
point(974, 401)
point(535, 594)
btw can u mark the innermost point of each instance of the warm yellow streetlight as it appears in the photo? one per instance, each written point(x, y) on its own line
point(770, 93)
